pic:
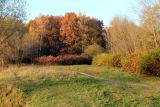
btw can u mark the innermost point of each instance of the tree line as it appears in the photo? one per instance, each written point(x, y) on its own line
point(125, 36)
point(73, 33)
point(69, 34)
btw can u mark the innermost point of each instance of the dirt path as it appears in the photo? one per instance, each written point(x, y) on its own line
point(113, 81)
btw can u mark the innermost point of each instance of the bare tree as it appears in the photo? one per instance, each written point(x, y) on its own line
point(150, 22)
point(121, 36)
point(12, 15)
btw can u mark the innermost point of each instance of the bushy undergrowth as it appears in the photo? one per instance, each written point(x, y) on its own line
point(63, 60)
point(112, 60)
point(150, 63)
point(11, 97)
point(131, 63)
point(93, 50)
point(146, 62)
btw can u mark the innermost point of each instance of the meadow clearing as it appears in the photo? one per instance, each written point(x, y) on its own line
point(60, 53)
point(77, 86)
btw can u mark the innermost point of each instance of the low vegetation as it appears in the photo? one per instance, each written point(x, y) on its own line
point(45, 86)
point(131, 63)
point(63, 60)
point(112, 60)
point(93, 50)
point(150, 63)
point(11, 97)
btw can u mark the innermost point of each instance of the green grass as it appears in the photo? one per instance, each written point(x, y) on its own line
point(62, 86)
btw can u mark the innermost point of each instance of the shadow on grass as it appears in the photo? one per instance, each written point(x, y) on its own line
point(28, 86)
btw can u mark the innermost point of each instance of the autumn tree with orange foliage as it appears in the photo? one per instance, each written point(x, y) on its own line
point(69, 34)
point(91, 31)
point(44, 32)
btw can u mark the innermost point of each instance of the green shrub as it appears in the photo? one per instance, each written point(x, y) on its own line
point(112, 60)
point(93, 50)
point(150, 63)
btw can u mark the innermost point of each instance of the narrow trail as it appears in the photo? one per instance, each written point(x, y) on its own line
point(113, 81)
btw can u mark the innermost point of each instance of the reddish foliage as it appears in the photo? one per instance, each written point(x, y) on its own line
point(46, 30)
point(60, 35)
point(131, 64)
point(69, 34)
point(63, 60)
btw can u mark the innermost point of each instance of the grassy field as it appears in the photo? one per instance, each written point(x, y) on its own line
point(81, 86)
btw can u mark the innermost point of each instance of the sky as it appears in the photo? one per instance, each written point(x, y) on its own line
point(103, 10)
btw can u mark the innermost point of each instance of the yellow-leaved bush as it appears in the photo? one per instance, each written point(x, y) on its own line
point(12, 97)
point(107, 59)
point(131, 63)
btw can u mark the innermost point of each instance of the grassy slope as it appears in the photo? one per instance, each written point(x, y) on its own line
point(62, 86)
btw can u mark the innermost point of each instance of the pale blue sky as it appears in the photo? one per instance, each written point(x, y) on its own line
point(102, 9)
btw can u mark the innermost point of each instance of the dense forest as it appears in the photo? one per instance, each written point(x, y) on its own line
point(79, 39)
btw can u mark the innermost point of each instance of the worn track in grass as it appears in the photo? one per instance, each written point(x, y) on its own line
point(111, 81)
